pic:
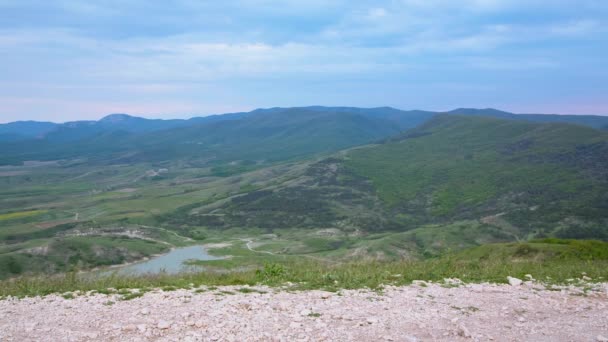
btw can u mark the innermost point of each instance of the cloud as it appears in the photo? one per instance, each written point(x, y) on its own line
point(149, 52)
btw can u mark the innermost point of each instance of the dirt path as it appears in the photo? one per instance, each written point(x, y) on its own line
point(248, 244)
point(412, 313)
point(185, 238)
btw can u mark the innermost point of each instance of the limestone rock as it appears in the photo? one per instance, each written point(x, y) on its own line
point(514, 281)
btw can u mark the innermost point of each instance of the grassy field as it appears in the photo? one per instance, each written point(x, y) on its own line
point(550, 261)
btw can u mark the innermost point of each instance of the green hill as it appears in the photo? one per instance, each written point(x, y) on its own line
point(517, 180)
point(539, 178)
point(542, 250)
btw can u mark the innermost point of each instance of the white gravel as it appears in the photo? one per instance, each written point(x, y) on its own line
point(430, 312)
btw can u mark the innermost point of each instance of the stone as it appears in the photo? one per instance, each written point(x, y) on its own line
point(476, 287)
point(163, 325)
point(464, 332)
point(514, 281)
point(305, 312)
point(92, 335)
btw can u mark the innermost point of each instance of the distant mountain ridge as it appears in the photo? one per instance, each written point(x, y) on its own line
point(22, 130)
point(270, 134)
point(594, 121)
point(266, 134)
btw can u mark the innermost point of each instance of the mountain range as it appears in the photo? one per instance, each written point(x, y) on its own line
point(270, 134)
point(24, 130)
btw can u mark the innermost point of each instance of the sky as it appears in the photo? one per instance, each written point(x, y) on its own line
point(65, 60)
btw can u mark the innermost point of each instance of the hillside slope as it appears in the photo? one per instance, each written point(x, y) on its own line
point(539, 178)
point(515, 180)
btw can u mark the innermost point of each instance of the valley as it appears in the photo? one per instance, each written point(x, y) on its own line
point(421, 186)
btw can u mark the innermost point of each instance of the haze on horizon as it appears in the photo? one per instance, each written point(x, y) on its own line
point(74, 60)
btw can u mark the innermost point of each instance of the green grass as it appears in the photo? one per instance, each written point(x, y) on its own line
point(557, 250)
point(132, 295)
point(553, 261)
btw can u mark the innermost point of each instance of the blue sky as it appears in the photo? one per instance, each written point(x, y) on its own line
point(66, 59)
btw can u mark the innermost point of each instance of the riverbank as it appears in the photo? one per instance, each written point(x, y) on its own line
point(419, 312)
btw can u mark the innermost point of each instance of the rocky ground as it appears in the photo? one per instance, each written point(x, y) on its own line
point(420, 312)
